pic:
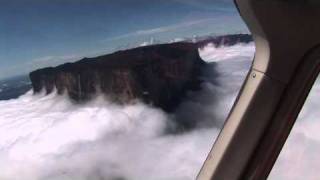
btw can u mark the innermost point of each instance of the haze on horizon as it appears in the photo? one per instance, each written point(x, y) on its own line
point(40, 33)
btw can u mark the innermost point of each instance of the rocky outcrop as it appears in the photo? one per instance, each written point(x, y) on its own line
point(158, 75)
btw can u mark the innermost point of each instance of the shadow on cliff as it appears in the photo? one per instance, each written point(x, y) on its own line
point(197, 110)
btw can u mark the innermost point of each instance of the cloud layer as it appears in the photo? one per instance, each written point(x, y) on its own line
point(50, 138)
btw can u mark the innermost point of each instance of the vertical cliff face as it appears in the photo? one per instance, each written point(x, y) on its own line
point(158, 75)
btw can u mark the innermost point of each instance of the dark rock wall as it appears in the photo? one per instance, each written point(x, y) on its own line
point(158, 74)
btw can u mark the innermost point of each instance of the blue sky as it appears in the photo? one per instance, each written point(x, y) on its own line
point(40, 33)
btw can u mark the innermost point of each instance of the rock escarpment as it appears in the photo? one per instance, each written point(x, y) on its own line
point(158, 75)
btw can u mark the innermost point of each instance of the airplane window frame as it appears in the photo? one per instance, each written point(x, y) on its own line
point(246, 147)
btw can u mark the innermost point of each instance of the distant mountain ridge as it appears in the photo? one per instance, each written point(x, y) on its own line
point(227, 40)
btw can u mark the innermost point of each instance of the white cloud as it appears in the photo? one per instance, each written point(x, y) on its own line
point(50, 138)
point(161, 29)
point(172, 27)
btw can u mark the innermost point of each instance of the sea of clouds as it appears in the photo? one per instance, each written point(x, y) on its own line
point(50, 138)
point(300, 157)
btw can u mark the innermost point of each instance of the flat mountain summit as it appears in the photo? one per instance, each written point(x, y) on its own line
point(159, 75)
